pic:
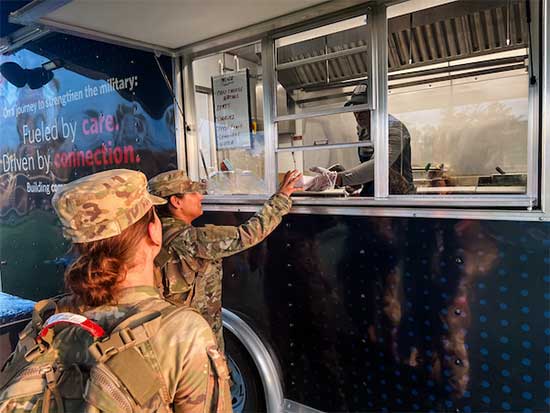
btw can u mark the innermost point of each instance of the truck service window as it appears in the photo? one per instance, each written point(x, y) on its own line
point(229, 111)
point(317, 72)
point(458, 82)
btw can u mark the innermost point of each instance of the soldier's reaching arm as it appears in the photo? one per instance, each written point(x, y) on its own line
point(214, 242)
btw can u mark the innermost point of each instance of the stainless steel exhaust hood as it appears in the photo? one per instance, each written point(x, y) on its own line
point(452, 31)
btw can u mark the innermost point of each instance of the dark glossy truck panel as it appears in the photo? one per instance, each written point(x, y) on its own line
point(398, 314)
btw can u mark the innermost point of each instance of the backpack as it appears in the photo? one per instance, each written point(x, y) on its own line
point(67, 363)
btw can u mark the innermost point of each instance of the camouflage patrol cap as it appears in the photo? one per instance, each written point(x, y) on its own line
point(102, 205)
point(174, 182)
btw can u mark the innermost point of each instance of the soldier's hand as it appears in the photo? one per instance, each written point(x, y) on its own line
point(291, 183)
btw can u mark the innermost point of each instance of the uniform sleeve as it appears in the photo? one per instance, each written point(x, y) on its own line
point(204, 379)
point(213, 242)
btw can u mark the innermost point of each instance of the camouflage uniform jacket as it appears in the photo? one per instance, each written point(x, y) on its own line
point(183, 347)
point(193, 272)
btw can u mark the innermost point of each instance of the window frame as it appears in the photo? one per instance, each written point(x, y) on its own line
point(191, 136)
point(371, 105)
point(370, 48)
point(536, 200)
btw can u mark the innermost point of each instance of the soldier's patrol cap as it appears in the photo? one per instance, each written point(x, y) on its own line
point(173, 183)
point(359, 95)
point(102, 205)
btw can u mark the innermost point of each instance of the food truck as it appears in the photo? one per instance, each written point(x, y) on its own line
point(436, 299)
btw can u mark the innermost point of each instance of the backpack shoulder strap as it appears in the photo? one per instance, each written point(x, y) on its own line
point(130, 332)
point(221, 397)
point(28, 348)
point(118, 352)
point(163, 256)
point(171, 234)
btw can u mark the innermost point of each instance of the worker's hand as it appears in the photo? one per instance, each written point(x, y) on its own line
point(323, 181)
point(292, 182)
point(319, 170)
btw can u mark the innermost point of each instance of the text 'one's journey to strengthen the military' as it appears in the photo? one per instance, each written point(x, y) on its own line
point(47, 145)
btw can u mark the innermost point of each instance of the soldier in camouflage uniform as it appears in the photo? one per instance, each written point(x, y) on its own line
point(180, 351)
point(191, 265)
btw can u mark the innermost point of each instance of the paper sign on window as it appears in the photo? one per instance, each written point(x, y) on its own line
point(232, 110)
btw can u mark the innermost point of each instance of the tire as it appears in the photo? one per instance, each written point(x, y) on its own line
point(247, 392)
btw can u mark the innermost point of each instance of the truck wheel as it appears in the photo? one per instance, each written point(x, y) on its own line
point(247, 393)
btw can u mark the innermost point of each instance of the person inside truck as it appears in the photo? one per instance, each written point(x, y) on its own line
point(115, 232)
point(190, 265)
point(400, 171)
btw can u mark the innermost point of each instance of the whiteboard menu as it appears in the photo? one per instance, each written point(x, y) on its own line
point(232, 110)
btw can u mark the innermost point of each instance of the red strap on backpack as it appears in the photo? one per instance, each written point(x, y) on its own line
point(76, 319)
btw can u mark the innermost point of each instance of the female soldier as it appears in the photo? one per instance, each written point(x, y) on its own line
point(163, 358)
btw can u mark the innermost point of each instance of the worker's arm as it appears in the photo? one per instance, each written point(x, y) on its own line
point(364, 172)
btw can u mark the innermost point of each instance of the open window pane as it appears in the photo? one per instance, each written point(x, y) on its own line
point(341, 160)
point(328, 141)
point(229, 111)
point(317, 69)
point(318, 131)
point(319, 96)
point(461, 96)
